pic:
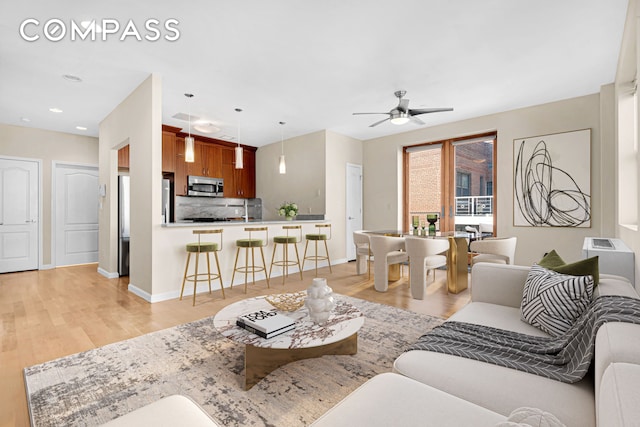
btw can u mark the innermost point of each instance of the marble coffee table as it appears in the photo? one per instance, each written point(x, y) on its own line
point(338, 335)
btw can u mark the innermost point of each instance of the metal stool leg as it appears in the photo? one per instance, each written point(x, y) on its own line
point(298, 259)
point(304, 257)
point(234, 266)
point(195, 278)
point(184, 279)
point(326, 249)
point(264, 265)
point(215, 254)
point(209, 271)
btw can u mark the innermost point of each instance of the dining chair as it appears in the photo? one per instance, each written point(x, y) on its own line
point(498, 250)
point(424, 255)
point(386, 250)
point(363, 251)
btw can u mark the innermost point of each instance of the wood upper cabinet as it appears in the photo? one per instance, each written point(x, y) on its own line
point(213, 158)
point(123, 157)
point(239, 183)
point(207, 160)
point(168, 151)
point(180, 175)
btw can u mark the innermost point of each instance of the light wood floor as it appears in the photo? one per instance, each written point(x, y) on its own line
point(53, 313)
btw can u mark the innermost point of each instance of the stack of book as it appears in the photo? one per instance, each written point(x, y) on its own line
point(266, 323)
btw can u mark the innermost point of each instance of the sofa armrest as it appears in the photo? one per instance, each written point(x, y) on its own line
point(498, 283)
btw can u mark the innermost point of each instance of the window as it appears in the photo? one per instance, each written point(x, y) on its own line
point(463, 186)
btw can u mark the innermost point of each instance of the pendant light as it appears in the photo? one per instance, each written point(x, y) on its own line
point(239, 155)
point(283, 165)
point(189, 144)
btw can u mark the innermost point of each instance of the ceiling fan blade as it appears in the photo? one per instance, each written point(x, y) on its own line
point(356, 114)
point(428, 110)
point(403, 105)
point(417, 121)
point(377, 123)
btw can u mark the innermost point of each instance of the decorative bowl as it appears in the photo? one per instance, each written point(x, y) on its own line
point(287, 302)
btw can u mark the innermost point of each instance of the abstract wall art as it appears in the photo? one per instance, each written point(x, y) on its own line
point(552, 180)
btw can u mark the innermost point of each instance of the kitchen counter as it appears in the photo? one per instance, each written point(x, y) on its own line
point(240, 222)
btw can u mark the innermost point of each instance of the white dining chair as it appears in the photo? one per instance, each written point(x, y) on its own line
point(424, 255)
point(363, 252)
point(386, 250)
point(498, 250)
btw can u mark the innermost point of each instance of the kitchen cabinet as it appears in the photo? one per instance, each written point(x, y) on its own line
point(123, 157)
point(213, 158)
point(207, 160)
point(180, 175)
point(168, 151)
point(239, 182)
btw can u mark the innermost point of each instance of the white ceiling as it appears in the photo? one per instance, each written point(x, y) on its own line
point(309, 63)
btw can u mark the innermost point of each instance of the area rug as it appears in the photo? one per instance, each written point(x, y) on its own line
point(193, 359)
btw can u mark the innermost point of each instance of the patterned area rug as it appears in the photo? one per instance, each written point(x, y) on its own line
point(193, 359)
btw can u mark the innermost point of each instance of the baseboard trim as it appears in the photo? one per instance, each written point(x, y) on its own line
point(107, 274)
point(46, 267)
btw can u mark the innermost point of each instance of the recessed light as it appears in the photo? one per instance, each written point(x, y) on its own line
point(25, 119)
point(81, 128)
point(55, 110)
point(72, 78)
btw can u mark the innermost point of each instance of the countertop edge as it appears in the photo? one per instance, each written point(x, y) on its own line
point(241, 223)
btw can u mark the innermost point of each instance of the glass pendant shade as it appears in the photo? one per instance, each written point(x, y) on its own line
point(189, 150)
point(239, 158)
point(283, 165)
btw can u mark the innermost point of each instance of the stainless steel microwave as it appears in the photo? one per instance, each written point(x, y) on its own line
point(204, 186)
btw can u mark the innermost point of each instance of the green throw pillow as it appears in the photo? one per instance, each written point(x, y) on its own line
point(585, 267)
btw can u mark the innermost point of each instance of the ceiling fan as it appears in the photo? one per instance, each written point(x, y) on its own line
point(402, 113)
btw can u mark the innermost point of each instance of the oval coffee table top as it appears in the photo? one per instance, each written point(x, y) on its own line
point(345, 320)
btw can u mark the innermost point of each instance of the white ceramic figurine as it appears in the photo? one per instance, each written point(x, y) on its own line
point(319, 300)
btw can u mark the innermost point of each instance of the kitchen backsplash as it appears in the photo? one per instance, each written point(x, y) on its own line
point(210, 207)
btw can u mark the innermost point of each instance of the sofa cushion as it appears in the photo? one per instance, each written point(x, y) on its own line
point(615, 342)
point(394, 400)
point(552, 301)
point(500, 389)
point(584, 267)
point(619, 400)
point(528, 417)
point(175, 410)
point(496, 316)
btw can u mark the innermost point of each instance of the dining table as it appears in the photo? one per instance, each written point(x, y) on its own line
point(457, 256)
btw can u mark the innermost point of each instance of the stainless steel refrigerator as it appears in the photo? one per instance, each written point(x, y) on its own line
point(124, 209)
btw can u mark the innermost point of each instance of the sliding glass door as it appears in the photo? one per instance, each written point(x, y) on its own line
point(453, 178)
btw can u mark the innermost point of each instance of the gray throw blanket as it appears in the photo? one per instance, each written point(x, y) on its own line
point(565, 358)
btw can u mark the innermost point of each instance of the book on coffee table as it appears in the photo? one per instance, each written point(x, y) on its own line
point(266, 323)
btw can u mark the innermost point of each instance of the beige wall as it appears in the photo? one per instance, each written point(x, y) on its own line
point(626, 76)
point(340, 150)
point(383, 189)
point(137, 121)
point(304, 182)
point(47, 146)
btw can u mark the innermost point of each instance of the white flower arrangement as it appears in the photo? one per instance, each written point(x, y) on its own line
point(288, 210)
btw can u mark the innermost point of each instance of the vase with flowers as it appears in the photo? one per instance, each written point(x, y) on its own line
point(288, 210)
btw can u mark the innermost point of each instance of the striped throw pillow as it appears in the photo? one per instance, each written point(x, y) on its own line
point(552, 301)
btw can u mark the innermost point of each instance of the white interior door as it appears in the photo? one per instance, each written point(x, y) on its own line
point(19, 215)
point(354, 206)
point(76, 214)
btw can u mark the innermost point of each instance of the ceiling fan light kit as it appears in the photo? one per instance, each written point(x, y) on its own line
point(403, 114)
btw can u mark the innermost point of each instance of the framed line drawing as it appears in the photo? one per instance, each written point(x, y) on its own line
point(552, 180)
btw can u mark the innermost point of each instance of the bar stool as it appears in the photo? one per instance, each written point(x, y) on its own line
point(198, 248)
point(315, 238)
point(285, 241)
point(247, 244)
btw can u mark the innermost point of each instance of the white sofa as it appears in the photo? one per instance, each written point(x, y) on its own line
point(607, 396)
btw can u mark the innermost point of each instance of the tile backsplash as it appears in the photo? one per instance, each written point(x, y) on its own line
point(210, 207)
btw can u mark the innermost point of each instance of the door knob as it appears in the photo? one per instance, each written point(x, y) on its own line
point(351, 217)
